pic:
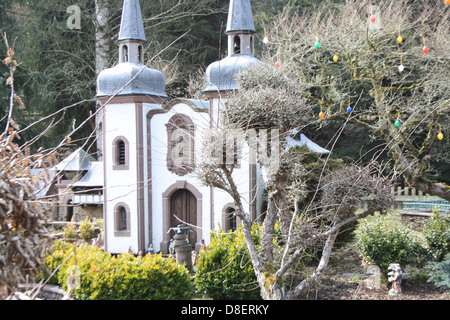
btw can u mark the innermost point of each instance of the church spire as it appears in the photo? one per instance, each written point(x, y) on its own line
point(131, 25)
point(131, 34)
point(240, 28)
point(240, 17)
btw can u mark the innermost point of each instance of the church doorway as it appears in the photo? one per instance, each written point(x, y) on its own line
point(182, 200)
point(183, 205)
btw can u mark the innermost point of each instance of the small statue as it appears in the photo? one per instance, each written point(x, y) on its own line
point(395, 276)
point(194, 257)
point(179, 230)
point(171, 247)
point(139, 254)
point(150, 249)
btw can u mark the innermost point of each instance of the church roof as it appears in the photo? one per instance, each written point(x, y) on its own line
point(117, 80)
point(221, 75)
point(77, 161)
point(131, 77)
point(240, 17)
point(131, 25)
point(93, 177)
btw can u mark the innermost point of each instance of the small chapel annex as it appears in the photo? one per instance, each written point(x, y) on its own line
point(151, 144)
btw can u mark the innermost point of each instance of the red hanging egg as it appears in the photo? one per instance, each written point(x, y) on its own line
point(372, 18)
point(277, 64)
point(425, 50)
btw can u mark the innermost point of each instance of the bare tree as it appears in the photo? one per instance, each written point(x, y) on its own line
point(311, 199)
point(23, 235)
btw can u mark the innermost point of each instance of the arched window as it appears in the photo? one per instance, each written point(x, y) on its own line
point(140, 54)
point(120, 154)
point(229, 220)
point(125, 53)
point(121, 220)
point(237, 45)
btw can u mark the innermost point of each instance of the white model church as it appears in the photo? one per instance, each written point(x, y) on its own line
point(151, 144)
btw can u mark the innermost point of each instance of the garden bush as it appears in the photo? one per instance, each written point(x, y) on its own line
point(87, 230)
point(436, 232)
point(382, 244)
point(101, 276)
point(439, 273)
point(224, 269)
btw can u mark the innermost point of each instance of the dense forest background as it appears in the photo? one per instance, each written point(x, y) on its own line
point(58, 66)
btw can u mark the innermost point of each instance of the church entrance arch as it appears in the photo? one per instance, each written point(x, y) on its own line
point(183, 201)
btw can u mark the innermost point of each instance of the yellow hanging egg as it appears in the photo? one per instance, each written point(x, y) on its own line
point(399, 39)
point(440, 136)
point(335, 58)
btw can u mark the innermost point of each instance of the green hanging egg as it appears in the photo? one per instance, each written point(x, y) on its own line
point(317, 44)
point(397, 123)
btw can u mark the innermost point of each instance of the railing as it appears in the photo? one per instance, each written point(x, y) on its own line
point(87, 199)
point(411, 194)
point(412, 199)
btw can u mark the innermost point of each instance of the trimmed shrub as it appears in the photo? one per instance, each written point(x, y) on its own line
point(224, 269)
point(436, 232)
point(381, 244)
point(100, 276)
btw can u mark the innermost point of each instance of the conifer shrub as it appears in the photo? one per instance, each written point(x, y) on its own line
point(88, 273)
point(224, 270)
point(439, 273)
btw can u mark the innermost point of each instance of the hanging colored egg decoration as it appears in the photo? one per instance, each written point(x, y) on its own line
point(425, 49)
point(400, 39)
point(440, 136)
point(277, 64)
point(321, 115)
point(317, 44)
point(372, 18)
point(397, 123)
point(401, 68)
point(266, 40)
point(335, 58)
point(447, 1)
point(349, 109)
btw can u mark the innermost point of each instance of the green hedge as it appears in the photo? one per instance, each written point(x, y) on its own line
point(382, 244)
point(123, 277)
point(436, 231)
point(224, 270)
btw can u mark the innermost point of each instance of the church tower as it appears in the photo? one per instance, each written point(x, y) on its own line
point(221, 82)
point(221, 75)
point(127, 92)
